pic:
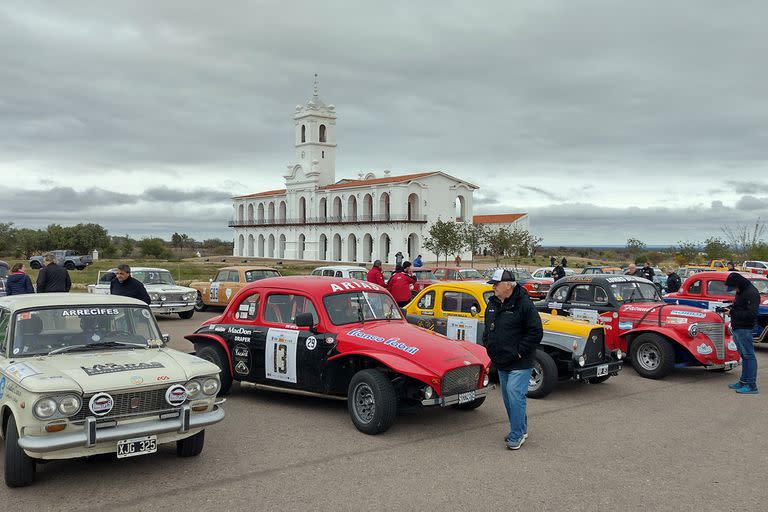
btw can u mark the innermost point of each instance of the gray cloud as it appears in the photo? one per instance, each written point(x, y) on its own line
point(748, 187)
point(541, 191)
point(752, 203)
point(166, 194)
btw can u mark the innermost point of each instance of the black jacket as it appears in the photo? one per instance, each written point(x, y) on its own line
point(18, 284)
point(512, 331)
point(558, 272)
point(129, 288)
point(673, 282)
point(648, 273)
point(53, 278)
point(746, 303)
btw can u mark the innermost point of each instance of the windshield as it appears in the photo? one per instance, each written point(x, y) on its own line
point(154, 277)
point(487, 296)
point(358, 274)
point(255, 275)
point(3, 271)
point(762, 286)
point(521, 274)
point(425, 275)
point(95, 327)
point(470, 273)
point(635, 292)
point(352, 307)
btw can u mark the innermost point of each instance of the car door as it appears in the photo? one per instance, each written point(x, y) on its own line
point(586, 297)
point(693, 294)
point(229, 287)
point(213, 292)
point(426, 312)
point(459, 323)
point(718, 295)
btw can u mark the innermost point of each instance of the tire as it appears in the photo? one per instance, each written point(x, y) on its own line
point(217, 356)
point(470, 406)
point(35, 265)
point(69, 265)
point(652, 356)
point(372, 402)
point(199, 304)
point(19, 467)
point(543, 376)
point(186, 315)
point(191, 446)
point(598, 380)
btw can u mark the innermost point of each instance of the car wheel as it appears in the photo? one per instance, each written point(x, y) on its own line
point(217, 356)
point(191, 446)
point(543, 375)
point(372, 402)
point(186, 315)
point(470, 406)
point(652, 356)
point(69, 265)
point(35, 265)
point(19, 467)
point(199, 304)
point(598, 380)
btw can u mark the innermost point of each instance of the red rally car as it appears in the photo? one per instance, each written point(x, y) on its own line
point(340, 338)
point(657, 336)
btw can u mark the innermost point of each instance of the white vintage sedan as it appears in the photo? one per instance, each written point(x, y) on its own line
point(83, 374)
point(167, 297)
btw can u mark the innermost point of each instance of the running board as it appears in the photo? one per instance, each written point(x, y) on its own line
point(295, 391)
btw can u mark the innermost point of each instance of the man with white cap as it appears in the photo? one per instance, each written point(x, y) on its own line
point(513, 330)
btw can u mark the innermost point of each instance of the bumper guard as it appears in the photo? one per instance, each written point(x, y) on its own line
point(442, 401)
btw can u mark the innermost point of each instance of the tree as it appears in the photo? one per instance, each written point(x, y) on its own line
point(176, 240)
point(717, 249)
point(687, 251)
point(742, 237)
point(473, 237)
point(152, 247)
point(444, 238)
point(499, 242)
point(84, 238)
point(126, 247)
point(634, 247)
point(534, 244)
point(7, 237)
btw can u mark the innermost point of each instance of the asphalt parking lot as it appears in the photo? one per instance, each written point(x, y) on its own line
point(683, 443)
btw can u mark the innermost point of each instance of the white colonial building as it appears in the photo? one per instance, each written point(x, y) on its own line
point(317, 217)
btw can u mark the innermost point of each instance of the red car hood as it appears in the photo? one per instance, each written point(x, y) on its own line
point(640, 309)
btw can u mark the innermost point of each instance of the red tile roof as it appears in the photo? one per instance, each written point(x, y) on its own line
point(260, 194)
point(503, 218)
point(377, 181)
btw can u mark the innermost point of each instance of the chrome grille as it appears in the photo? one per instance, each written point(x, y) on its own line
point(150, 401)
point(545, 287)
point(460, 380)
point(716, 334)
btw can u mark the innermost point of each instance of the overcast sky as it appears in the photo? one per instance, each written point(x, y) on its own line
point(602, 119)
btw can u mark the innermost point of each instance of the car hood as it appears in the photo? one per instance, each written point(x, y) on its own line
point(167, 288)
point(640, 309)
point(423, 347)
point(90, 372)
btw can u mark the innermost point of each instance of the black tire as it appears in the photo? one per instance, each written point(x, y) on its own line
point(217, 356)
point(652, 356)
point(191, 446)
point(543, 375)
point(19, 467)
point(35, 265)
point(372, 402)
point(470, 406)
point(69, 265)
point(598, 380)
point(199, 304)
point(186, 315)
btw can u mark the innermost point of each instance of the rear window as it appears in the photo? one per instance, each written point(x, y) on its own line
point(255, 275)
point(357, 274)
point(425, 275)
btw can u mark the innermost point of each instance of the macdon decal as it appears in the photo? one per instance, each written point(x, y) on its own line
point(346, 285)
point(392, 342)
point(239, 330)
point(102, 369)
point(692, 314)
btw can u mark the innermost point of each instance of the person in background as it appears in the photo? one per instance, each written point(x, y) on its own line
point(53, 277)
point(731, 267)
point(125, 285)
point(375, 275)
point(558, 272)
point(417, 262)
point(457, 260)
point(551, 261)
point(673, 280)
point(743, 313)
point(632, 270)
point(18, 282)
point(564, 262)
point(398, 260)
point(400, 285)
point(647, 271)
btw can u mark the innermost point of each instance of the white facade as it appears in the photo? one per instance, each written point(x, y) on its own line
point(353, 220)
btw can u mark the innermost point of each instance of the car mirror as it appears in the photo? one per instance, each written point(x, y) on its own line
point(305, 320)
point(166, 338)
point(473, 310)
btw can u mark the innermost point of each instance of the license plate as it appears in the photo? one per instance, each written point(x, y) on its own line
point(469, 396)
point(136, 446)
point(602, 370)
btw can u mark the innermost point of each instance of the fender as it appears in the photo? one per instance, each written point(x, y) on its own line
point(395, 362)
point(7, 411)
point(217, 339)
point(688, 344)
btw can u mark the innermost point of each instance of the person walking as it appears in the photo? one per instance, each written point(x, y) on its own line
point(558, 272)
point(126, 286)
point(673, 281)
point(417, 263)
point(398, 260)
point(375, 275)
point(647, 271)
point(551, 261)
point(18, 281)
point(743, 313)
point(400, 284)
point(53, 277)
point(513, 331)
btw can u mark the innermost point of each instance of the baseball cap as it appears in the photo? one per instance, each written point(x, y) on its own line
point(501, 275)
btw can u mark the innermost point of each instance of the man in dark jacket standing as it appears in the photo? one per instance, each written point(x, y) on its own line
point(647, 271)
point(673, 281)
point(558, 272)
point(52, 277)
point(513, 330)
point(743, 313)
point(125, 285)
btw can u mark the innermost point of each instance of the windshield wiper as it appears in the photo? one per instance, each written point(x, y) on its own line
point(101, 344)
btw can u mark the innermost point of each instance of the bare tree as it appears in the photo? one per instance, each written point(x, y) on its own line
point(743, 237)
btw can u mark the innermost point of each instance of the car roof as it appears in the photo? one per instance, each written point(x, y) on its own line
point(340, 267)
point(247, 267)
point(602, 278)
point(712, 273)
point(141, 269)
point(37, 300)
point(315, 285)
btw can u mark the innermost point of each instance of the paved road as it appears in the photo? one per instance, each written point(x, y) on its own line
point(684, 443)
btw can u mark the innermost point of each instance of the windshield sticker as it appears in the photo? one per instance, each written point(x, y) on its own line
point(91, 311)
point(588, 315)
point(145, 312)
point(462, 329)
point(280, 354)
point(704, 349)
point(2, 386)
point(690, 314)
point(102, 369)
point(555, 305)
point(347, 285)
point(619, 279)
point(20, 371)
point(392, 342)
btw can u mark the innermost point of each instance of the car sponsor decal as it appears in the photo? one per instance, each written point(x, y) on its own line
point(176, 395)
point(102, 369)
point(555, 305)
point(20, 371)
point(241, 368)
point(732, 346)
point(2, 386)
point(90, 311)
point(228, 293)
point(241, 351)
point(100, 404)
point(392, 342)
point(280, 354)
point(215, 291)
point(588, 315)
point(690, 314)
point(163, 378)
point(137, 379)
point(347, 285)
point(239, 330)
point(704, 349)
point(146, 313)
point(311, 343)
point(624, 326)
point(463, 329)
point(639, 309)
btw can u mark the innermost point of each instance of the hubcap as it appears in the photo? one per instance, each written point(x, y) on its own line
point(199, 302)
point(648, 357)
point(364, 403)
point(537, 376)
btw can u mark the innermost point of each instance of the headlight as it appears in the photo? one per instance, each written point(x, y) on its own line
point(211, 386)
point(486, 380)
point(193, 389)
point(730, 329)
point(693, 330)
point(535, 286)
point(45, 408)
point(153, 296)
point(619, 354)
point(69, 405)
point(428, 392)
point(582, 361)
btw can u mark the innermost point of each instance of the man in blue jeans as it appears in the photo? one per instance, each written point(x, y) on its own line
point(512, 332)
point(743, 313)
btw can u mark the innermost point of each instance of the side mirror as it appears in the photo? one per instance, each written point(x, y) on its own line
point(305, 320)
point(473, 311)
point(166, 338)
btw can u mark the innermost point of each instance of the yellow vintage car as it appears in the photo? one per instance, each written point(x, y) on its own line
point(570, 349)
point(228, 281)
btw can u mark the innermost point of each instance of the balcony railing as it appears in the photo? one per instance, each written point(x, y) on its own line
point(330, 220)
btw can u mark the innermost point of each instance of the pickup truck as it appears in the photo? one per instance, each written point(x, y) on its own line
point(755, 267)
point(67, 259)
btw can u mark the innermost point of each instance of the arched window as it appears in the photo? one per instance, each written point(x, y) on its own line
point(413, 207)
point(303, 133)
point(352, 208)
point(461, 208)
point(351, 247)
point(302, 210)
point(337, 209)
point(323, 212)
point(322, 133)
point(383, 207)
point(250, 214)
point(302, 246)
point(281, 212)
point(367, 207)
point(260, 211)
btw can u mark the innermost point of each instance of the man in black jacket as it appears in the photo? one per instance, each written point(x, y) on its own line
point(673, 281)
point(743, 313)
point(558, 272)
point(513, 330)
point(52, 277)
point(647, 271)
point(123, 284)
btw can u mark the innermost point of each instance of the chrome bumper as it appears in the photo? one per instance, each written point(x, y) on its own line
point(171, 307)
point(728, 365)
point(442, 401)
point(90, 435)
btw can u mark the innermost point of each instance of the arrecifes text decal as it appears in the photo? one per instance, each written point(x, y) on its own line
point(356, 285)
point(392, 342)
point(101, 369)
